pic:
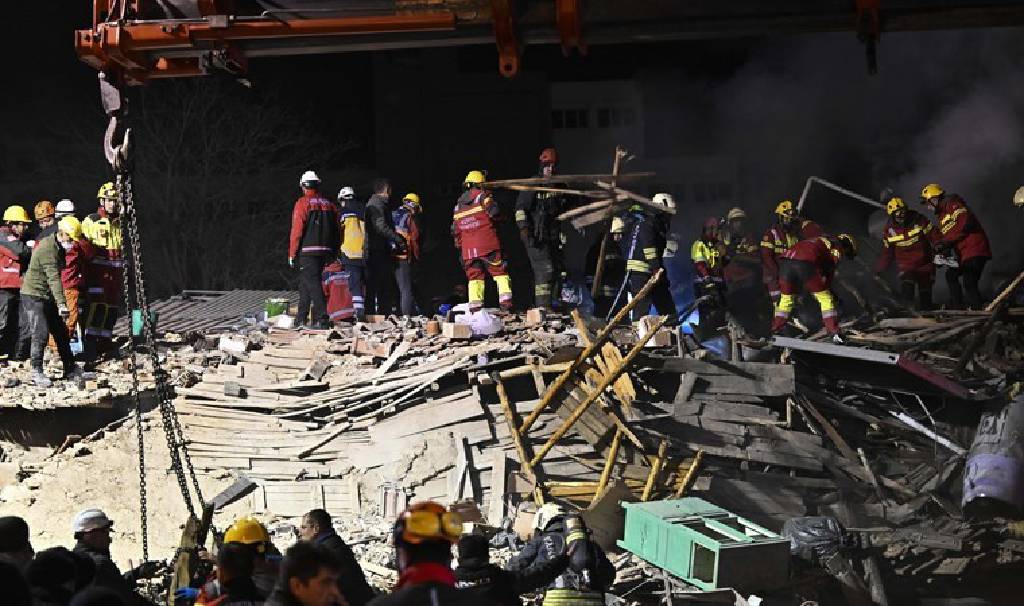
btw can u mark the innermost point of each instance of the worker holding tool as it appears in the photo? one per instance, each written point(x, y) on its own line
point(45, 214)
point(473, 227)
point(14, 258)
point(588, 575)
point(780, 237)
point(423, 538)
point(314, 241)
point(640, 236)
point(382, 243)
point(541, 231)
point(811, 265)
point(105, 275)
point(407, 224)
point(46, 307)
point(960, 234)
point(906, 240)
point(353, 248)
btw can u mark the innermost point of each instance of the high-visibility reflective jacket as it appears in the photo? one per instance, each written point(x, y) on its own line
point(707, 259)
point(642, 239)
point(407, 223)
point(823, 252)
point(909, 245)
point(106, 268)
point(473, 224)
point(958, 226)
point(778, 240)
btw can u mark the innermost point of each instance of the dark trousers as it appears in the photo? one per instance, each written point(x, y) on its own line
point(23, 342)
point(44, 321)
point(923, 290)
point(543, 259)
point(311, 291)
point(403, 276)
point(969, 273)
point(10, 308)
point(380, 283)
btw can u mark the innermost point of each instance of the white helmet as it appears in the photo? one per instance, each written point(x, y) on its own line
point(346, 193)
point(309, 178)
point(65, 207)
point(664, 199)
point(1018, 197)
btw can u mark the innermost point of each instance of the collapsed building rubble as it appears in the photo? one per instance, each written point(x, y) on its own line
point(360, 420)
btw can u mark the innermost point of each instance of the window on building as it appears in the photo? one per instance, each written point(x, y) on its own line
point(570, 118)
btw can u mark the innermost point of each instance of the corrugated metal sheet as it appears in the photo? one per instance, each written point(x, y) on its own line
point(207, 310)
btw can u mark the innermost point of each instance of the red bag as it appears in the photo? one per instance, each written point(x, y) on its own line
point(339, 300)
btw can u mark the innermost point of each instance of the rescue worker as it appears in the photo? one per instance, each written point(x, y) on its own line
point(382, 242)
point(14, 258)
point(45, 215)
point(65, 208)
point(105, 275)
point(42, 294)
point(709, 260)
point(234, 579)
point(539, 228)
point(811, 265)
point(477, 576)
point(309, 577)
point(638, 233)
point(77, 254)
point(742, 251)
point(473, 228)
point(407, 224)
point(780, 237)
point(423, 537)
point(252, 534)
point(906, 239)
point(314, 240)
point(92, 529)
point(353, 248)
point(317, 528)
point(962, 235)
point(588, 575)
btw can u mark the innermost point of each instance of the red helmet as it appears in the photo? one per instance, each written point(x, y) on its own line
point(549, 156)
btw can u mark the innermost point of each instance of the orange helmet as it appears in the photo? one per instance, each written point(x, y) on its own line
point(427, 521)
point(44, 209)
point(548, 156)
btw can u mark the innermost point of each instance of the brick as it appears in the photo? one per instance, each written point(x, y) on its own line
point(454, 330)
point(433, 327)
point(535, 316)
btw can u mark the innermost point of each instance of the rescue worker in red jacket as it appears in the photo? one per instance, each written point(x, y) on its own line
point(105, 275)
point(780, 237)
point(14, 257)
point(811, 265)
point(315, 240)
point(906, 240)
point(407, 224)
point(959, 233)
point(473, 227)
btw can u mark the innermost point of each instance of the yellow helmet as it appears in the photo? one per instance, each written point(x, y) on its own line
point(932, 190)
point(785, 209)
point(618, 225)
point(850, 242)
point(107, 190)
point(71, 226)
point(474, 177)
point(894, 205)
point(248, 531)
point(411, 197)
point(739, 213)
point(16, 214)
point(1018, 197)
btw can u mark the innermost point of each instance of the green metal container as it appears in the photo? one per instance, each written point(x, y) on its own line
point(275, 307)
point(705, 545)
point(138, 326)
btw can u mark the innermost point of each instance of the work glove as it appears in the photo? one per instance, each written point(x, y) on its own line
point(291, 262)
point(63, 311)
point(186, 593)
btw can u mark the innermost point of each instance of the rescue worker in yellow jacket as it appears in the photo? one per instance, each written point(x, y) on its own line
point(105, 273)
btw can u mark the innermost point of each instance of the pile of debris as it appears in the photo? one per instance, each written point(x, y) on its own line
point(361, 419)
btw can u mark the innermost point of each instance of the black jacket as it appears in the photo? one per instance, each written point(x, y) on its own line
point(380, 227)
point(109, 575)
point(487, 581)
point(537, 212)
point(643, 240)
point(351, 581)
point(431, 594)
point(588, 569)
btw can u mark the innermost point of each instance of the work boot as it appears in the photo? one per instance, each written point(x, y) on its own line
point(40, 379)
point(74, 373)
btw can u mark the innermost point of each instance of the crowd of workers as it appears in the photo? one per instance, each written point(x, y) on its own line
point(60, 283)
point(377, 244)
point(560, 561)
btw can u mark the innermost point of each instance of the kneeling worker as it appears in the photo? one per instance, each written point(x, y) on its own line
point(46, 306)
point(812, 264)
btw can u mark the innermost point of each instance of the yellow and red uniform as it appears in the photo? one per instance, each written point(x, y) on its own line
point(776, 241)
point(473, 227)
point(809, 264)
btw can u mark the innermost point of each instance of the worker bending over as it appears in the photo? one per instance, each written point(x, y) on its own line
point(588, 575)
point(811, 265)
point(353, 248)
point(537, 218)
point(780, 237)
point(407, 224)
point(906, 240)
point(105, 274)
point(961, 235)
point(473, 227)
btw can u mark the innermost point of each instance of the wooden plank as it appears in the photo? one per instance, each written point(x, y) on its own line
point(748, 378)
point(499, 470)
